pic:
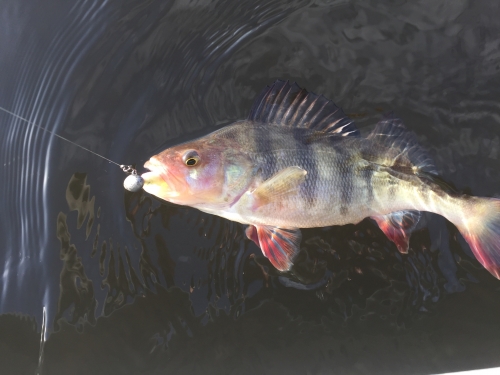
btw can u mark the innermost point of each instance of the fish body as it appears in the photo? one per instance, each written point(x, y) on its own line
point(340, 185)
point(299, 162)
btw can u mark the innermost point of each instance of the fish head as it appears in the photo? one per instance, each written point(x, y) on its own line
point(206, 172)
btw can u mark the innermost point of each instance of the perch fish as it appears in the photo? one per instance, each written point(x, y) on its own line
point(298, 162)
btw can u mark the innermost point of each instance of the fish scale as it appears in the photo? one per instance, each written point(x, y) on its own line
point(322, 194)
point(298, 162)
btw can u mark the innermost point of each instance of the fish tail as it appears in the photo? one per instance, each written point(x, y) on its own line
point(479, 224)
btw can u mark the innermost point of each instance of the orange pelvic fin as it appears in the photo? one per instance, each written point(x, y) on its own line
point(279, 245)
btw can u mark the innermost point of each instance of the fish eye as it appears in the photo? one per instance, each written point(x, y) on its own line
point(191, 162)
point(191, 158)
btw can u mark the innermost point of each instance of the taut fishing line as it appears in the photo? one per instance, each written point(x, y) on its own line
point(133, 182)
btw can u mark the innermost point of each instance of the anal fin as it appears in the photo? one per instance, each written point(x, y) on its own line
point(279, 245)
point(397, 226)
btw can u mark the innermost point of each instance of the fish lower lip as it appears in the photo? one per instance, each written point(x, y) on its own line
point(151, 176)
point(156, 185)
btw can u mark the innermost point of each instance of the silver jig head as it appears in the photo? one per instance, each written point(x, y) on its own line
point(133, 182)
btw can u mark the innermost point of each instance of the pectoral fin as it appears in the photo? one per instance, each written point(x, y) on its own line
point(398, 226)
point(279, 245)
point(282, 183)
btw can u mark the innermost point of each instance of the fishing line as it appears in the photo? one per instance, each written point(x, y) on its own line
point(133, 182)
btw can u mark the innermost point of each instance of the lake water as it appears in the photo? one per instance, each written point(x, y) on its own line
point(97, 280)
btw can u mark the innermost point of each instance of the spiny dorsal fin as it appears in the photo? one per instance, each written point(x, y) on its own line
point(287, 104)
point(392, 134)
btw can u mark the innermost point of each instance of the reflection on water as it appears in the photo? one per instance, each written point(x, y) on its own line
point(132, 284)
point(347, 282)
point(76, 296)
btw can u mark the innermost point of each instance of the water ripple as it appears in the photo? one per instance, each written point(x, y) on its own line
point(39, 93)
point(127, 78)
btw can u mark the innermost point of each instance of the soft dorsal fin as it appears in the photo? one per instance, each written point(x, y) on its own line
point(287, 104)
point(393, 135)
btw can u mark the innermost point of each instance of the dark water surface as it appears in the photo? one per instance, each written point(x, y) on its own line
point(127, 284)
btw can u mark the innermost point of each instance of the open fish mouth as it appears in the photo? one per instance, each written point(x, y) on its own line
point(154, 183)
point(153, 164)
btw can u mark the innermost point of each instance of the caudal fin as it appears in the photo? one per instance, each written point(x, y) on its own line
point(481, 230)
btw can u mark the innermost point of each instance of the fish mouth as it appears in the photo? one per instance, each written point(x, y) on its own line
point(154, 182)
point(154, 165)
